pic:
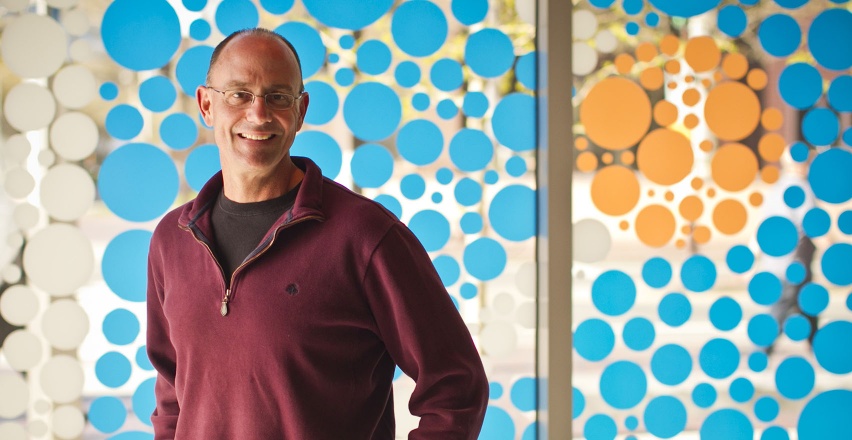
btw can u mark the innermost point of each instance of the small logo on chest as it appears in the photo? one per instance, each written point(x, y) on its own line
point(292, 289)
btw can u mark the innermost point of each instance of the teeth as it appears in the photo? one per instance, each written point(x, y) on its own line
point(255, 137)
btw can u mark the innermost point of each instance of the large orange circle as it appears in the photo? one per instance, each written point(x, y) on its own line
point(732, 111)
point(616, 113)
point(665, 156)
point(702, 53)
point(655, 225)
point(615, 190)
point(733, 167)
point(729, 216)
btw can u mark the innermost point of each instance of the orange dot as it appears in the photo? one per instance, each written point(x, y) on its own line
point(686, 229)
point(606, 158)
point(689, 78)
point(733, 167)
point(770, 174)
point(701, 234)
point(646, 52)
point(755, 199)
point(655, 225)
point(772, 119)
point(711, 192)
point(717, 76)
point(697, 183)
point(680, 243)
point(615, 190)
point(624, 225)
point(628, 157)
point(691, 97)
point(771, 147)
point(651, 78)
point(702, 53)
point(732, 111)
point(581, 143)
point(665, 113)
point(691, 208)
point(706, 146)
point(735, 65)
point(616, 113)
point(651, 193)
point(665, 156)
point(672, 85)
point(624, 63)
point(669, 44)
point(707, 83)
point(757, 79)
point(669, 196)
point(587, 161)
point(729, 216)
point(690, 121)
point(673, 66)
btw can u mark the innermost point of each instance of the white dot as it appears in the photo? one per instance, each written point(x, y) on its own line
point(19, 305)
point(504, 303)
point(74, 136)
point(81, 51)
point(29, 107)
point(26, 216)
point(15, 240)
point(526, 11)
point(34, 34)
point(23, 350)
point(17, 149)
point(14, 6)
point(592, 241)
point(498, 338)
point(525, 279)
point(65, 324)
point(605, 41)
point(19, 183)
point(585, 59)
point(38, 428)
point(68, 422)
point(42, 406)
point(62, 4)
point(584, 24)
point(15, 396)
point(485, 315)
point(526, 314)
point(76, 22)
point(46, 158)
point(12, 431)
point(62, 379)
point(59, 259)
point(75, 86)
point(67, 192)
point(12, 274)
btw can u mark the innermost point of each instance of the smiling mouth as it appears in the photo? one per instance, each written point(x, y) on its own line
point(256, 137)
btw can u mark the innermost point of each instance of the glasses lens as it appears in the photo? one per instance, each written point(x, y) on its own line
point(238, 98)
point(279, 100)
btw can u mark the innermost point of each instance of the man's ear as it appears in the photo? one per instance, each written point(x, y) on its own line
point(202, 97)
point(303, 109)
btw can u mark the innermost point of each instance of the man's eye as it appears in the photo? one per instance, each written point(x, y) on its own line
point(241, 96)
point(279, 98)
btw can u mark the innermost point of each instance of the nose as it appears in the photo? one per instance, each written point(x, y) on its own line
point(258, 112)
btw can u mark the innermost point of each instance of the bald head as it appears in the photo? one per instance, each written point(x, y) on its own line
point(254, 32)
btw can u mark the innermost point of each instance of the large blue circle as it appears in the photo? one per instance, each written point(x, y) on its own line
point(835, 264)
point(141, 35)
point(372, 166)
point(840, 93)
point(124, 264)
point(719, 358)
point(448, 269)
point(143, 401)
point(727, 424)
point(764, 288)
point(201, 164)
point(512, 212)
point(638, 334)
point(800, 85)
point(484, 258)
point(489, 53)
point(678, 8)
point(308, 43)
point(446, 74)
point(373, 57)
point(420, 142)
point(341, 14)
point(830, 39)
point(419, 28)
point(113, 369)
point(432, 228)
point(763, 329)
point(324, 102)
point(471, 149)
point(777, 236)
point(725, 313)
point(828, 175)
point(780, 35)
point(820, 127)
point(623, 384)
point(277, 7)
point(594, 339)
point(157, 93)
point(497, 424)
point(523, 394)
point(794, 378)
point(833, 347)
point(665, 416)
point(613, 292)
point(322, 149)
point(372, 111)
point(138, 182)
point(107, 414)
point(234, 15)
point(732, 20)
point(124, 122)
point(121, 327)
point(390, 203)
point(514, 122)
point(671, 364)
point(826, 416)
point(469, 12)
point(178, 131)
point(191, 69)
point(674, 309)
point(698, 273)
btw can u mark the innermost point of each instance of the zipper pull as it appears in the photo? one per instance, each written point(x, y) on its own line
point(224, 309)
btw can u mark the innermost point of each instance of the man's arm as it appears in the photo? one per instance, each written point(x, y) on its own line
point(427, 338)
point(162, 355)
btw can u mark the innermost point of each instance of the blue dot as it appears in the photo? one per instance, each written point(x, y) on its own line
point(779, 35)
point(448, 269)
point(732, 20)
point(107, 414)
point(420, 142)
point(143, 401)
point(795, 272)
point(344, 76)
point(671, 364)
point(437, 197)
point(419, 28)
point(777, 236)
point(600, 426)
point(372, 111)
point(704, 395)
point(444, 176)
point(652, 19)
point(578, 402)
point(138, 182)
point(140, 36)
point(407, 74)
point(199, 30)
point(308, 43)
point(594, 339)
point(178, 131)
point(523, 394)
point(124, 265)
point(495, 390)
point(475, 104)
point(775, 433)
point(373, 57)
point(142, 359)
point(758, 361)
point(469, 12)
point(800, 85)
point(797, 327)
point(749, 2)
point(657, 272)
point(725, 313)
point(322, 149)
point(632, 28)
point(191, 69)
point(741, 390)
point(849, 301)
point(516, 166)
point(412, 186)
point(698, 273)
point(432, 228)
point(512, 213)
point(674, 309)
point(329, 13)
point(333, 58)
point(613, 292)
point(739, 259)
point(678, 8)
point(820, 127)
point(791, 4)
point(420, 101)
point(719, 358)
point(632, 7)
point(372, 166)
point(840, 93)
point(447, 109)
point(489, 53)
point(813, 299)
point(623, 384)
point(124, 122)
point(471, 223)
point(638, 334)
point(631, 422)
point(799, 152)
point(498, 423)
point(108, 91)
point(514, 122)
point(794, 196)
point(844, 222)
point(446, 74)
point(468, 192)
point(826, 416)
point(525, 70)
point(157, 93)
point(277, 7)
point(113, 369)
point(601, 4)
point(390, 203)
point(484, 259)
point(829, 37)
point(816, 222)
point(471, 150)
point(764, 288)
point(233, 15)
point(763, 329)
point(491, 177)
point(835, 264)
point(727, 424)
point(826, 175)
point(347, 41)
point(468, 291)
point(121, 327)
point(794, 378)
point(324, 102)
point(833, 347)
point(766, 409)
point(194, 5)
point(665, 416)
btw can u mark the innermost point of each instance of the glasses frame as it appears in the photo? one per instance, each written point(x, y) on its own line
point(224, 93)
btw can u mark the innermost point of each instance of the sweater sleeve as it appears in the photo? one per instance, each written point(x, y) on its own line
point(162, 356)
point(427, 338)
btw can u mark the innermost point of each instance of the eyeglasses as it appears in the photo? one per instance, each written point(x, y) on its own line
point(244, 99)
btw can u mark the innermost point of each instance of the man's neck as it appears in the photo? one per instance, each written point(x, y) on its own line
point(253, 187)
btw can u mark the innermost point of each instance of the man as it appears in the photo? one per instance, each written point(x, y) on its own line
point(279, 302)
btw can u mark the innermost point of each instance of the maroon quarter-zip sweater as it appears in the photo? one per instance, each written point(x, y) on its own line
point(337, 293)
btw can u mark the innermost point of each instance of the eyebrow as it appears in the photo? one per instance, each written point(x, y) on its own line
point(244, 85)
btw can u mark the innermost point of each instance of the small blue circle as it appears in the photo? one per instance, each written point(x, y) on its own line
point(446, 74)
point(799, 151)
point(447, 109)
point(471, 223)
point(514, 122)
point(623, 384)
point(657, 272)
point(665, 416)
point(142, 359)
point(468, 291)
point(601, 4)
point(471, 149)
point(725, 313)
point(113, 369)
point(791, 4)
point(775, 433)
point(277, 7)
point(631, 422)
point(108, 91)
point(594, 339)
point(420, 142)
point(194, 5)
point(600, 426)
point(674, 309)
point(373, 57)
point(121, 327)
point(199, 30)
point(437, 197)
point(698, 273)
point(124, 267)
point(777, 236)
point(444, 176)
point(732, 20)
point(638, 334)
point(498, 423)
point(764, 288)
point(835, 264)
point(178, 131)
point(372, 111)
point(820, 127)
point(308, 43)
point(322, 149)
point(525, 70)
point(741, 390)
point(489, 53)
point(523, 394)
point(233, 15)
point(826, 416)
point(324, 102)
point(475, 104)
point(758, 361)
point(632, 7)
point(420, 101)
point(632, 28)
point(840, 93)
point(469, 12)
point(491, 177)
point(800, 85)
point(124, 122)
point(794, 196)
point(516, 166)
point(412, 186)
point(495, 390)
point(468, 192)
point(484, 258)
point(107, 414)
point(448, 269)
point(431, 228)
point(816, 222)
point(739, 258)
point(825, 175)
point(652, 19)
point(794, 378)
point(578, 402)
point(766, 409)
point(138, 182)
point(832, 347)
point(372, 166)
point(346, 41)
point(157, 93)
point(719, 358)
point(797, 327)
point(779, 35)
point(344, 76)
point(844, 222)
point(143, 401)
point(671, 364)
point(613, 292)
point(390, 203)
point(419, 28)
point(813, 299)
point(829, 37)
point(795, 273)
point(726, 424)
point(704, 395)
point(141, 36)
point(407, 74)
point(512, 212)
point(763, 329)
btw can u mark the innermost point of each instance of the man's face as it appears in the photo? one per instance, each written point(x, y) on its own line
point(254, 140)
